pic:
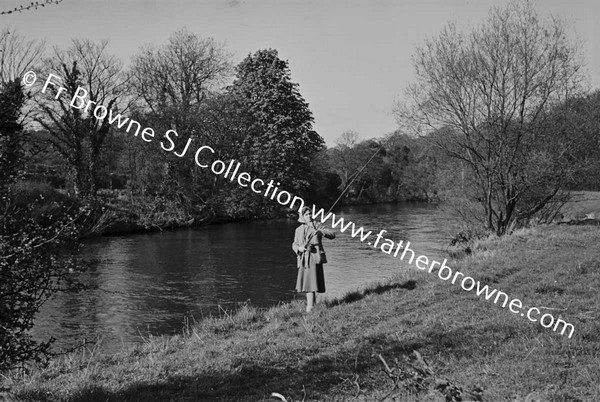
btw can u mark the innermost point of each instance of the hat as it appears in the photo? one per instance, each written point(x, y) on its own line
point(301, 214)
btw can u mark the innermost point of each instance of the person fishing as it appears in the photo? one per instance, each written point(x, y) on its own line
point(309, 250)
point(308, 247)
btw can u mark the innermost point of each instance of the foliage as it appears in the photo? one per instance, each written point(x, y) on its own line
point(11, 101)
point(490, 89)
point(281, 143)
point(368, 170)
point(35, 237)
point(262, 121)
point(324, 189)
point(397, 167)
point(414, 165)
point(346, 158)
point(579, 120)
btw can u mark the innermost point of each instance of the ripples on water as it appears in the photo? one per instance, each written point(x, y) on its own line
point(151, 283)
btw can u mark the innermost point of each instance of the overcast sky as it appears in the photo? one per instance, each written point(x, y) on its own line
point(352, 59)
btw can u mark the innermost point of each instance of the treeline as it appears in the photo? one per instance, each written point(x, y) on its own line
point(254, 113)
point(391, 168)
point(251, 112)
point(189, 87)
point(435, 166)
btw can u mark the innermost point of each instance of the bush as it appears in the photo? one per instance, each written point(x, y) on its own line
point(37, 231)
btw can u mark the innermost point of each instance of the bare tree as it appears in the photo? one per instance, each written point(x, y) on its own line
point(76, 132)
point(173, 83)
point(17, 55)
point(491, 88)
point(173, 80)
point(348, 139)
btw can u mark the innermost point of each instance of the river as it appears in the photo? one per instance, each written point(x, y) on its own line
point(152, 283)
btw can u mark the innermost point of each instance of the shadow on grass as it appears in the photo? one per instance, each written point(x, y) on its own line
point(339, 374)
point(251, 380)
point(326, 376)
point(357, 295)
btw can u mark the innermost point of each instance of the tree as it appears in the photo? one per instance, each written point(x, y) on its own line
point(11, 137)
point(175, 79)
point(226, 123)
point(282, 142)
point(413, 164)
point(17, 55)
point(343, 157)
point(579, 120)
point(78, 135)
point(491, 88)
point(177, 84)
point(360, 166)
point(32, 244)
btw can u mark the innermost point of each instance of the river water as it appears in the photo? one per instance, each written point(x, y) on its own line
point(152, 283)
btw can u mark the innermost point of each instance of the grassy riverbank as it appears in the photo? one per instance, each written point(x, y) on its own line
point(467, 345)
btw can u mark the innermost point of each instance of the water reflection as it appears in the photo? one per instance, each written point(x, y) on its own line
point(151, 283)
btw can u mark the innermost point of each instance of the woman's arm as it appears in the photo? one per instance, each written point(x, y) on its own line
point(297, 245)
point(328, 233)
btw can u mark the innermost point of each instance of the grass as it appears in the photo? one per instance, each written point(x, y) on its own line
point(414, 337)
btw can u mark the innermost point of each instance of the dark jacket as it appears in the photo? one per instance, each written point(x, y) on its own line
point(305, 232)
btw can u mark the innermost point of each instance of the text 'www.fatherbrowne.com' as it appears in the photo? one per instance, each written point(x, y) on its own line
point(231, 170)
point(444, 272)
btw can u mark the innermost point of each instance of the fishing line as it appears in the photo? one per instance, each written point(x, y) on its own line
point(355, 177)
point(320, 226)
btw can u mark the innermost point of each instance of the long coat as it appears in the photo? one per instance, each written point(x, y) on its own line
point(310, 274)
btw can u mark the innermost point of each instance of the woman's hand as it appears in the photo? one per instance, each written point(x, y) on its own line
point(301, 249)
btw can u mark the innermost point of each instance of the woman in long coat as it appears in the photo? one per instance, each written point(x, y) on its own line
point(309, 250)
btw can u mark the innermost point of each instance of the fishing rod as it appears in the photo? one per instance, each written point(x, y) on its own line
point(355, 177)
point(320, 226)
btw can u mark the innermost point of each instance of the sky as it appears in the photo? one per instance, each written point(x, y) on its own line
point(351, 59)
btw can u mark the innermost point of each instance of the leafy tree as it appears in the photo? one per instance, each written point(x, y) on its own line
point(396, 167)
point(33, 242)
point(361, 167)
point(491, 88)
point(325, 187)
point(281, 144)
point(11, 102)
point(371, 177)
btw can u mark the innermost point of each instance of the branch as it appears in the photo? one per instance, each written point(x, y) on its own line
point(29, 7)
point(48, 240)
